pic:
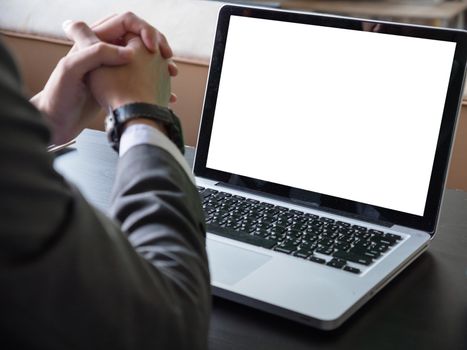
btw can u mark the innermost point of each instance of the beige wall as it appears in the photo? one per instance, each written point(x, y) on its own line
point(37, 59)
point(457, 177)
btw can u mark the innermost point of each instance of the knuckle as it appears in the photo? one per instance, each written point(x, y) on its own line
point(78, 26)
point(151, 29)
point(99, 48)
point(64, 64)
point(129, 14)
point(66, 68)
point(153, 32)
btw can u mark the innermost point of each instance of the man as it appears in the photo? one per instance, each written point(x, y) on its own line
point(70, 277)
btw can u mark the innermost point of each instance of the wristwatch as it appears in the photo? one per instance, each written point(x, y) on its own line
point(116, 120)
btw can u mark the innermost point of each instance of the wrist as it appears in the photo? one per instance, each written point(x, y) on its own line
point(145, 121)
point(118, 102)
point(58, 131)
point(160, 117)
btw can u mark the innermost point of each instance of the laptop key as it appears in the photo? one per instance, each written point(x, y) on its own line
point(326, 220)
point(276, 238)
point(325, 250)
point(359, 228)
point(353, 258)
point(337, 263)
point(293, 234)
point(311, 216)
point(296, 227)
point(325, 242)
point(372, 254)
point(208, 192)
point(376, 232)
point(291, 241)
point(342, 246)
point(286, 248)
point(240, 236)
point(381, 248)
point(351, 269)
point(303, 254)
point(343, 224)
point(262, 226)
point(348, 239)
point(363, 245)
point(230, 224)
point(277, 229)
point(393, 236)
point(263, 234)
point(316, 259)
point(330, 235)
point(384, 240)
point(267, 220)
point(316, 223)
point(310, 236)
point(305, 250)
point(314, 230)
point(267, 205)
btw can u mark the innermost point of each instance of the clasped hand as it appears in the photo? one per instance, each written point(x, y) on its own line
point(121, 59)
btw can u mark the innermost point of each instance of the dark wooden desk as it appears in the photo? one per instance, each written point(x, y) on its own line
point(425, 307)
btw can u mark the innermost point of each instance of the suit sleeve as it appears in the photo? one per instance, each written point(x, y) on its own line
point(72, 277)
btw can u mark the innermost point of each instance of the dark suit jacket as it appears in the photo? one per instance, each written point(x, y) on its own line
point(70, 277)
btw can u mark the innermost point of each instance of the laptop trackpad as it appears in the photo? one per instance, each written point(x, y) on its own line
point(229, 264)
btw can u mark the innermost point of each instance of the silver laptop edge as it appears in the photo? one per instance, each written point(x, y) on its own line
point(256, 276)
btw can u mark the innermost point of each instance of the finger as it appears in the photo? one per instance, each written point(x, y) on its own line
point(173, 69)
point(166, 50)
point(173, 98)
point(120, 25)
point(80, 33)
point(118, 41)
point(89, 58)
point(103, 20)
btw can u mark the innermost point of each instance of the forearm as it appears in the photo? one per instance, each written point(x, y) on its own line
point(158, 206)
point(67, 270)
point(62, 127)
point(75, 267)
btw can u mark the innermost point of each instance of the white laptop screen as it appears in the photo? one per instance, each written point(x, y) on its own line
point(346, 113)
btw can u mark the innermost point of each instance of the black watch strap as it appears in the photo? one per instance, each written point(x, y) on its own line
point(116, 120)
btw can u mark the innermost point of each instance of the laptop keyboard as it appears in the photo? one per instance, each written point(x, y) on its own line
point(304, 235)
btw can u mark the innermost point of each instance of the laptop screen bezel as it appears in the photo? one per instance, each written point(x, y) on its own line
point(428, 221)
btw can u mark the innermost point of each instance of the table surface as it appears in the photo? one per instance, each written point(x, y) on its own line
point(425, 307)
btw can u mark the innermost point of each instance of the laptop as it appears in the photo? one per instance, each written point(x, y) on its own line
point(322, 156)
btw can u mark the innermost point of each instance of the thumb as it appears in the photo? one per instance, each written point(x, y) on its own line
point(80, 33)
point(100, 54)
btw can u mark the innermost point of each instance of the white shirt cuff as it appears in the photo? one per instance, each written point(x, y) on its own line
point(140, 134)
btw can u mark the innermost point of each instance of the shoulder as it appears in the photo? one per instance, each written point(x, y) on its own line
point(9, 73)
